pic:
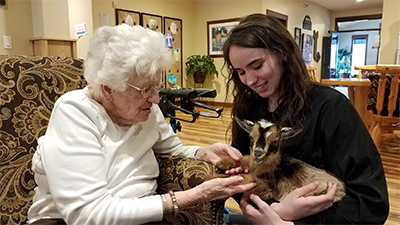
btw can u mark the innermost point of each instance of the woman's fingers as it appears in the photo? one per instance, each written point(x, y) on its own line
point(303, 191)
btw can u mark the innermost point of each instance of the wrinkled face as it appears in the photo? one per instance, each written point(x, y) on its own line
point(264, 138)
point(129, 106)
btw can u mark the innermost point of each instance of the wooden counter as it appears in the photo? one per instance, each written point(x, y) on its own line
point(358, 94)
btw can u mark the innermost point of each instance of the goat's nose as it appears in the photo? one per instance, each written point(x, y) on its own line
point(258, 152)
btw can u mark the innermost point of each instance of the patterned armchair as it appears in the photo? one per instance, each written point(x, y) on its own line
point(29, 87)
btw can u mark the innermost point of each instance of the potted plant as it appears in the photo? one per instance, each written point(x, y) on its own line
point(343, 63)
point(199, 66)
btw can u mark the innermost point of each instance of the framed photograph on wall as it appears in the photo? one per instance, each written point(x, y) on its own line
point(217, 33)
point(297, 36)
point(126, 16)
point(307, 47)
point(151, 21)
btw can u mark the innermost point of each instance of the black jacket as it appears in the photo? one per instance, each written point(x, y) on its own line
point(335, 138)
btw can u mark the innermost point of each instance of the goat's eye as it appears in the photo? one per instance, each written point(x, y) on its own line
point(275, 142)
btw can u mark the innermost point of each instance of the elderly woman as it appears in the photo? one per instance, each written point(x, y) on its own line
point(96, 163)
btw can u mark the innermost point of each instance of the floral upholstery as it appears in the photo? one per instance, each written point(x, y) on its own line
point(181, 174)
point(29, 87)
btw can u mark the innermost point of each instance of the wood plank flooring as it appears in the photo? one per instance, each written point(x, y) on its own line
point(207, 131)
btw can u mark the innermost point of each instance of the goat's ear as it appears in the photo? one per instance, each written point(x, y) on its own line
point(287, 132)
point(246, 125)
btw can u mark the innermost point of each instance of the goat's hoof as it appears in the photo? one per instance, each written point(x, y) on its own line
point(226, 164)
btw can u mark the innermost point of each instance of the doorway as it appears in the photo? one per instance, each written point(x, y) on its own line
point(352, 43)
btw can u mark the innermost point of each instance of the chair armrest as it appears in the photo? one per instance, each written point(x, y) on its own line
point(178, 174)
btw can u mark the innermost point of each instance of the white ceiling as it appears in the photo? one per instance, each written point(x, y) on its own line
point(337, 5)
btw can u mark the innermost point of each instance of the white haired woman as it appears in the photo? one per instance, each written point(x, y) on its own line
point(96, 163)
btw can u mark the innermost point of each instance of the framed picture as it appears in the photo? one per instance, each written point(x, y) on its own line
point(297, 36)
point(126, 16)
point(307, 47)
point(217, 33)
point(151, 21)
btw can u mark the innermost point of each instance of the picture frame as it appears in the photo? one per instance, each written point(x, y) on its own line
point(307, 43)
point(152, 21)
point(217, 33)
point(297, 36)
point(127, 16)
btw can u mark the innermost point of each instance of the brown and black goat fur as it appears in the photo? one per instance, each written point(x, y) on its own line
point(276, 173)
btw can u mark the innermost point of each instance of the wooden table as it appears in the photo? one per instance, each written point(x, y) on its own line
point(358, 94)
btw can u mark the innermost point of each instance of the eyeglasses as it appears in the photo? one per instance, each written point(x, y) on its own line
point(147, 91)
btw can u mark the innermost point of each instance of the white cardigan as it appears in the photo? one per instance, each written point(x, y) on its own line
point(91, 171)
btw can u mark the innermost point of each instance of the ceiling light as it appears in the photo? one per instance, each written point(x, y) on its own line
point(359, 0)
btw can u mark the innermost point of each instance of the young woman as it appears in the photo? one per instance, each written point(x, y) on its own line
point(270, 81)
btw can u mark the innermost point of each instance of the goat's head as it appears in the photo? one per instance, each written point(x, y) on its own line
point(265, 137)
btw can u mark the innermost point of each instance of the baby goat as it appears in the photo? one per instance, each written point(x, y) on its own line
point(276, 173)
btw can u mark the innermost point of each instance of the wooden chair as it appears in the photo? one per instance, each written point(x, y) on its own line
point(312, 71)
point(364, 71)
point(385, 120)
point(29, 87)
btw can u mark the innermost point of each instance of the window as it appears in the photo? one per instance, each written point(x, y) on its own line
point(359, 52)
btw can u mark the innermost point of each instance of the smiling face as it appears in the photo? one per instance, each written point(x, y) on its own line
point(260, 69)
point(129, 107)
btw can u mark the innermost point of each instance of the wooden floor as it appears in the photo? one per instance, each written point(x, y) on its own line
point(206, 131)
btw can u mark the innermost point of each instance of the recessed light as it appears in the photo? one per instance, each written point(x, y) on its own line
point(359, 0)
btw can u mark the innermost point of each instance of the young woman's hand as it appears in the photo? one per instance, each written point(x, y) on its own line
point(296, 205)
point(263, 215)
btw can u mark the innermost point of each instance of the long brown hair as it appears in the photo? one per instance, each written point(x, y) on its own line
point(262, 31)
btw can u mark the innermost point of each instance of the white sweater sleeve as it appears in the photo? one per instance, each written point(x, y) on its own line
point(76, 172)
point(169, 142)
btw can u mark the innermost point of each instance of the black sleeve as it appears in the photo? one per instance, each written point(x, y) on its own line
point(352, 155)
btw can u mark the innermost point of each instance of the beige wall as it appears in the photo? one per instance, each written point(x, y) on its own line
point(181, 9)
point(211, 11)
point(16, 21)
point(55, 19)
point(78, 14)
point(297, 10)
point(390, 31)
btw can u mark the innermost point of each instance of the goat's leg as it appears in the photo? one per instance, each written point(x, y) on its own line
point(228, 163)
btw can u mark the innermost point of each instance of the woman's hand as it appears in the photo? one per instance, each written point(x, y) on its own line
point(222, 188)
point(263, 215)
point(296, 205)
point(216, 152)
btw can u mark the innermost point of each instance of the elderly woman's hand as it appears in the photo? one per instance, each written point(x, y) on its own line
point(222, 188)
point(216, 152)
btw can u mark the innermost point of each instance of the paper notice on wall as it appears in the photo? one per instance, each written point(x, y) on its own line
point(177, 54)
point(104, 19)
point(377, 41)
point(80, 29)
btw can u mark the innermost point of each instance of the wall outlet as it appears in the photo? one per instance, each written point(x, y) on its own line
point(7, 42)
